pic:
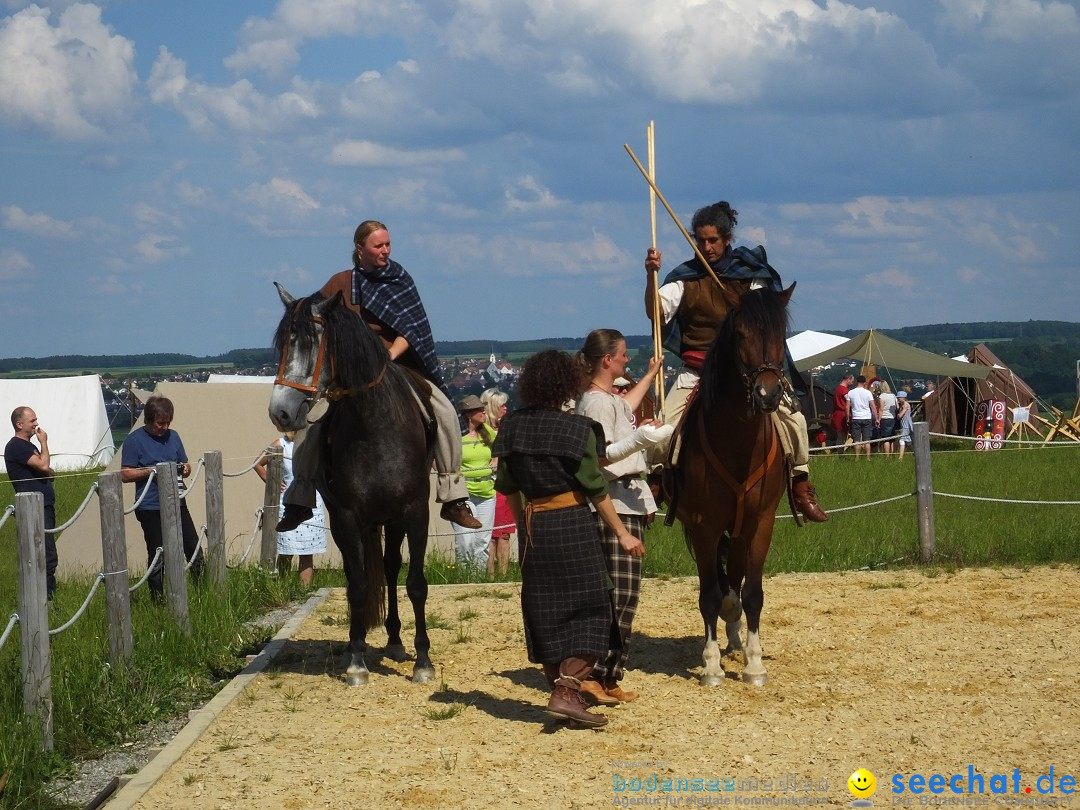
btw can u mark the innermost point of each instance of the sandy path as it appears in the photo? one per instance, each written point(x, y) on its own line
point(895, 672)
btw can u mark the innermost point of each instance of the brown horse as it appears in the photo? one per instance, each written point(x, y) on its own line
point(731, 472)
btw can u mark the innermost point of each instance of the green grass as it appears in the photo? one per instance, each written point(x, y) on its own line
point(96, 707)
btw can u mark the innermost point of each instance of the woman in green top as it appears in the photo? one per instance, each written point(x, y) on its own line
point(471, 545)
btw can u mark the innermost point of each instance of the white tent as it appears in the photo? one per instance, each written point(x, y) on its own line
point(808, 343)
point(71, 411)
point(239, 378)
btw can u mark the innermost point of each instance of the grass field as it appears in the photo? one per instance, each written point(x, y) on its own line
point(96, 707)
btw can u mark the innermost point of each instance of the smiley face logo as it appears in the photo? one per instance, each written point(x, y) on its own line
point(862, 784)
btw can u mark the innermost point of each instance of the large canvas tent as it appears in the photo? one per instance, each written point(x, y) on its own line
point(232, 418)
point(71, 411)
point(951, 408)
point(810, 343)
point(872, 347)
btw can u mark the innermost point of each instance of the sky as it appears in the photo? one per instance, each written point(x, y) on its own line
point(161, 163)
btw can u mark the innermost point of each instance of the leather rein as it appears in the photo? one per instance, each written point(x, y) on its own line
point(333, 392)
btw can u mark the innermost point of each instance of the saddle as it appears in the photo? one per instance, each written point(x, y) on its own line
point(670, 480)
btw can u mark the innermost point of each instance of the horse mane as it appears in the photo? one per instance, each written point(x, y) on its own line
point(764, 311)
point(359, 355)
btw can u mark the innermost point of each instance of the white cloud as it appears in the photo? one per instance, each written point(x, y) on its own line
point(72, 79)
point(38, 224)
point(14, 265)
point(285, 195)
point(154, 248)
point(597, 255)
point(146, 214)
point(539, 198)
point(368, 153)
point(239, 107)
point(272, 45)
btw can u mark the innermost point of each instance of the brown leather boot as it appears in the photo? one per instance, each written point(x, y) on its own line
point(566, 703)
point(806, 500)
point(613, 690)
point(594, 693)
point(458, 512)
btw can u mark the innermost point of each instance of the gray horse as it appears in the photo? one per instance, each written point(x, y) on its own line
point(376, 453)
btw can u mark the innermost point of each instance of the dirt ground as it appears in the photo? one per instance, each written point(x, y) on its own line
point(898, 673)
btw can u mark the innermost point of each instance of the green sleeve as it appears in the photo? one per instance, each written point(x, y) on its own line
point(588, 472)
point(504, 480)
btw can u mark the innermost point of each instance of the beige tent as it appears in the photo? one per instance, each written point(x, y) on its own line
point(951, 408)
point(874, 348)
point(230, 418)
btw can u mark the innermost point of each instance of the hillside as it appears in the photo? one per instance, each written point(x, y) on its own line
point(1044, 353)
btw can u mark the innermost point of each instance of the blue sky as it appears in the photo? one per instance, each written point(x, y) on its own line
point(163, 162)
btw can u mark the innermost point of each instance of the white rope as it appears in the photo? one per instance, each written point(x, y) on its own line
point(246, 469)
point(1006, 500)
point(79, 511)
point(1039, 442)
point(834, 509)
point(194, 556)
point(186, 488)
point(86, 603)
point(251, 544)
point(142, 497)
point(14, 620)
point(149, 570)
point(9, 510)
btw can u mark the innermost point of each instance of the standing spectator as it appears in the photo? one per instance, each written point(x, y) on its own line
point(603, 359)
point(30, 470)
point(471, 545)
point(504, 526)
point(144, 448)
point(903, 418)
point(307, 539)
point(839, 413)
point(860, 414)
point(887, 414)
point(550, 457)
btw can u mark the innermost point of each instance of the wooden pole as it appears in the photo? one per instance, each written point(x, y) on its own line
point(674, 218)
point(658, 343)
point(924, 491)
point(34, 612)
point(215, 520)
point(114, 556)
point(172, 545)
point(271, 507)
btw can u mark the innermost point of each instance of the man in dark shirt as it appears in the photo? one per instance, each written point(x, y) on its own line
point(30, 471)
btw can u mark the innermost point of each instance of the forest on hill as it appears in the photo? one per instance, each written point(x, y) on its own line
point(1043, 353)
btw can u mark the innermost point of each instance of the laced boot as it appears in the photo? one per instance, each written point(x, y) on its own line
point(566, 703)
point(806, 500)
point(458, 512)
point(593, 692)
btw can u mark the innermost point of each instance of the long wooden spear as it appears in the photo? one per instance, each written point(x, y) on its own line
point(658, 344)
point(674, 218)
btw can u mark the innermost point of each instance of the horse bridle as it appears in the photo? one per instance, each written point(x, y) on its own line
point(333, 392)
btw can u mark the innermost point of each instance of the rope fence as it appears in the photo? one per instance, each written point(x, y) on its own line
point(80, 510)
point(12, 621)
point(149, 570)
point(86, 603)
point(142, 497)
point(251, 543)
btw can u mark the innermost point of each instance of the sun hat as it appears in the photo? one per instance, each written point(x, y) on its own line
point(902, 394)
point(470, 402)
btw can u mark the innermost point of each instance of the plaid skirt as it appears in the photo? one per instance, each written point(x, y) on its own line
point(564, 587)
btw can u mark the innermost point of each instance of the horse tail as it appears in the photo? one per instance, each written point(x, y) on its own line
point(375, 606)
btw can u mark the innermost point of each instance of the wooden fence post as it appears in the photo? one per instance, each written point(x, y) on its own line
point(215, 520)
point(172, 544)
point(924, 491)
point(271, 507)
point(34, 612)
point(114, 555)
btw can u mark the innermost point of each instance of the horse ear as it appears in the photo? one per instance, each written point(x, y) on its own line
point(328, 305)
point(787, 293)
point(283, 294)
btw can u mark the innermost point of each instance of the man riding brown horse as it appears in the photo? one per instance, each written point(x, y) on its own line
point(692, 308)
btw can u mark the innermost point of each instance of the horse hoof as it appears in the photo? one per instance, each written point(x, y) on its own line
point(395, 652)
point(423, 675)
point(711, 680)
point(759, 679)
point(356, 678)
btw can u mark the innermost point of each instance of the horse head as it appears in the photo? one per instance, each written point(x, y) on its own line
point(754, 335)
point(300, 346)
